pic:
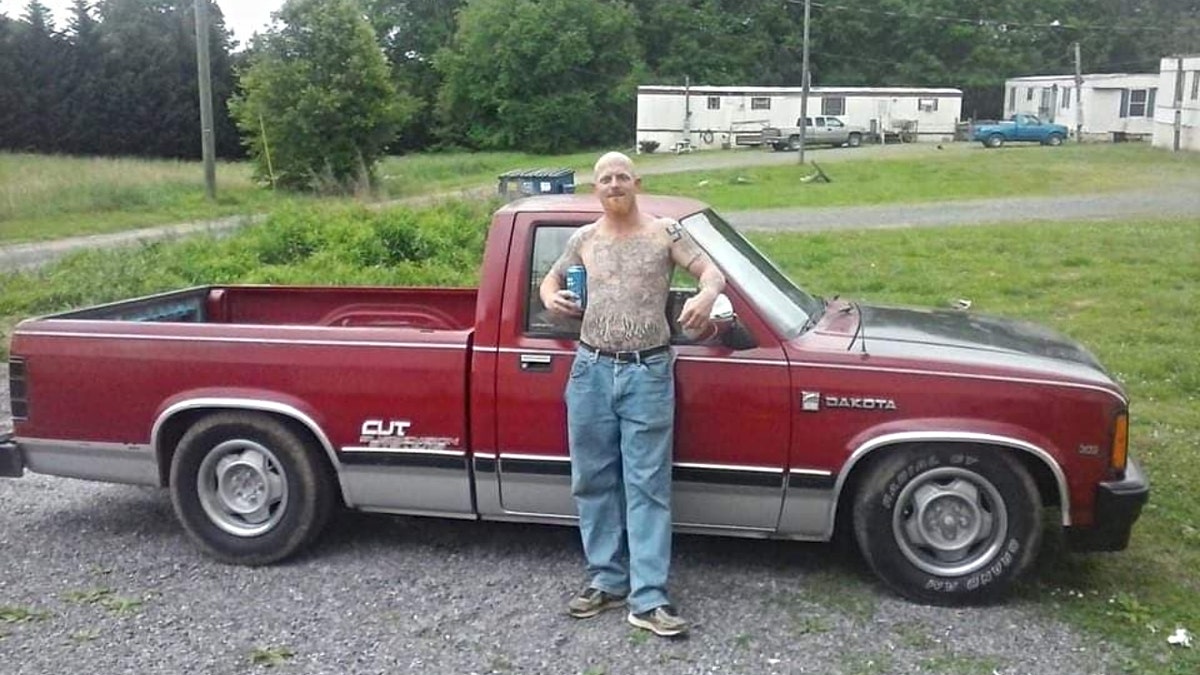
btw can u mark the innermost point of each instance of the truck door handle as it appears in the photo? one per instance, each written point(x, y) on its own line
point(536, 363)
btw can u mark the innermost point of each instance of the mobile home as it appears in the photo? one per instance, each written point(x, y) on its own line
point(1111, 106)
point(706, 117)
point(1177, 115)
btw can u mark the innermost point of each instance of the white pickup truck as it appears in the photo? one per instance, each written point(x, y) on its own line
point(820, 130)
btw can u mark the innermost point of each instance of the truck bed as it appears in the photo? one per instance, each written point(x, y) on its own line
point(424, 308)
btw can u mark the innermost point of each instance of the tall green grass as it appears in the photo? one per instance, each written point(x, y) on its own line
point(331, 243)
point(48, 197)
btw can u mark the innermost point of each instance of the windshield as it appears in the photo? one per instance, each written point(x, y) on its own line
point(781, 303)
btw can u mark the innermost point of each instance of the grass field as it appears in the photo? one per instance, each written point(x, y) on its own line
point(44, 197)
point(962, 171)
point(47, 197)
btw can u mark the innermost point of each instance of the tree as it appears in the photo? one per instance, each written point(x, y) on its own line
point(319, 91)
point(539, 75)
point(412, 32)
point(37, 59)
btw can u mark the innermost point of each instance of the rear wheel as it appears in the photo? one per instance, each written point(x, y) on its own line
point(994, 141)
point(248, 489)
point(948, 525)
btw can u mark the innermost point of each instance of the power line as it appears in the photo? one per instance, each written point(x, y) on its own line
point(979, 22)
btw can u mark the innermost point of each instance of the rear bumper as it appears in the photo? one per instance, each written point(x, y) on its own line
point(12, 464)
point(1118, 505)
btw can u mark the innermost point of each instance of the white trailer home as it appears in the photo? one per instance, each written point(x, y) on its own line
point(1114, 107)
point(1177, 115)
point(705, 117)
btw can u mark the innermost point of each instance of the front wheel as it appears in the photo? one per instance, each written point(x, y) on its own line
point(793, 143)
point(855, 140)
point(248, 489)
point(1054, 140)
point(948, 525)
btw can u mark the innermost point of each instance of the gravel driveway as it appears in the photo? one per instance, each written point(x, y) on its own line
point(101, 579)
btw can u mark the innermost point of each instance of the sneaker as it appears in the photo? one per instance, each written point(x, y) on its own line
point(663, 620)
point(592, 601)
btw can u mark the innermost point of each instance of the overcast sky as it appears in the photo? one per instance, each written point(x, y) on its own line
point(243, 17)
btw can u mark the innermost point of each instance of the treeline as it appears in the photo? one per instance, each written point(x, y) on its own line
point(119, 76)
point(118, 79)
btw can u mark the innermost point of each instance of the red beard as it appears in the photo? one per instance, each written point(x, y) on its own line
point(619, 205)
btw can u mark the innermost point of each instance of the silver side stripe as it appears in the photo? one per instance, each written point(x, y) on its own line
point(249, 340)
point(406, 451)
point(966, 376)
point(810, 472)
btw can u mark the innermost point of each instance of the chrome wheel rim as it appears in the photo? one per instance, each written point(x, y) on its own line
point(950, 522)
point(243, 488)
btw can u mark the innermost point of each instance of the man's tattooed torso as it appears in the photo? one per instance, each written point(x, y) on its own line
point(628, 281)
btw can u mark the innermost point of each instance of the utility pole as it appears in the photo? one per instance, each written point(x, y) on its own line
point(204, 74)
point(804, 77)
point(1178, 102)
point(1078, 96)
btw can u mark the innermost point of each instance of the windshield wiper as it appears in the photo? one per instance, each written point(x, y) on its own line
point(814, 317)
point(861, 329)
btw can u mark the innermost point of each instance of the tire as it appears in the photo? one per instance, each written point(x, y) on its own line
point(854, 141)
point(1054, 140)
point(793, 143)
point(248, 490)
point(973, 560)
point(994, 141)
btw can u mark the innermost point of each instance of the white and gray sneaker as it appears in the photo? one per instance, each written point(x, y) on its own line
point(663, 621)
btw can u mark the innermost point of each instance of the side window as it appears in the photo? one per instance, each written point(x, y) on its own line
point(820, 121)
point(1195, 85)
point(834, 122)
point(549, 241)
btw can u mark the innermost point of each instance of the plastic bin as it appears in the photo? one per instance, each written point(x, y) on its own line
point(523, 183)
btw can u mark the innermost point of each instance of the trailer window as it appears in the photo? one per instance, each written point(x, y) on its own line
point(714, 102)
point(927, 104)
point(760, 103)
point(833, 105)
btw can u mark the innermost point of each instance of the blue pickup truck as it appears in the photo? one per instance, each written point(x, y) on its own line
point(1022, 127)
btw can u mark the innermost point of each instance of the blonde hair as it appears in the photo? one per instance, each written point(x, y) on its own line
point(614, 158)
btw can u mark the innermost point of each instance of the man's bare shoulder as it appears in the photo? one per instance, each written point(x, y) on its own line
point(669, 227)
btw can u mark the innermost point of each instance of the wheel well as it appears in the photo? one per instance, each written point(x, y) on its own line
point(173, 429)
point(1047, 488)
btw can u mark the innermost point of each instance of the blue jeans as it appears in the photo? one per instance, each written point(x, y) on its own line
point(620, 421)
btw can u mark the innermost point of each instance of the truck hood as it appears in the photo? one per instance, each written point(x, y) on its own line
point(975, 341)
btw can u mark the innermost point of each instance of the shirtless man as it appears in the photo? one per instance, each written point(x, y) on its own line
point(621, 394)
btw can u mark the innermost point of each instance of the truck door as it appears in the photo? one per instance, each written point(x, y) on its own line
point(732, 419)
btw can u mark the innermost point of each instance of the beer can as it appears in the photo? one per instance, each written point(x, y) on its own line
point(577, 283)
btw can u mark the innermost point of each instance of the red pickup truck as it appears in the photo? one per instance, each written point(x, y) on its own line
point(934, 438)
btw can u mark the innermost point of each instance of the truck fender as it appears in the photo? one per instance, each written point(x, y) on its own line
point(259, 401)
point(874, 441)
